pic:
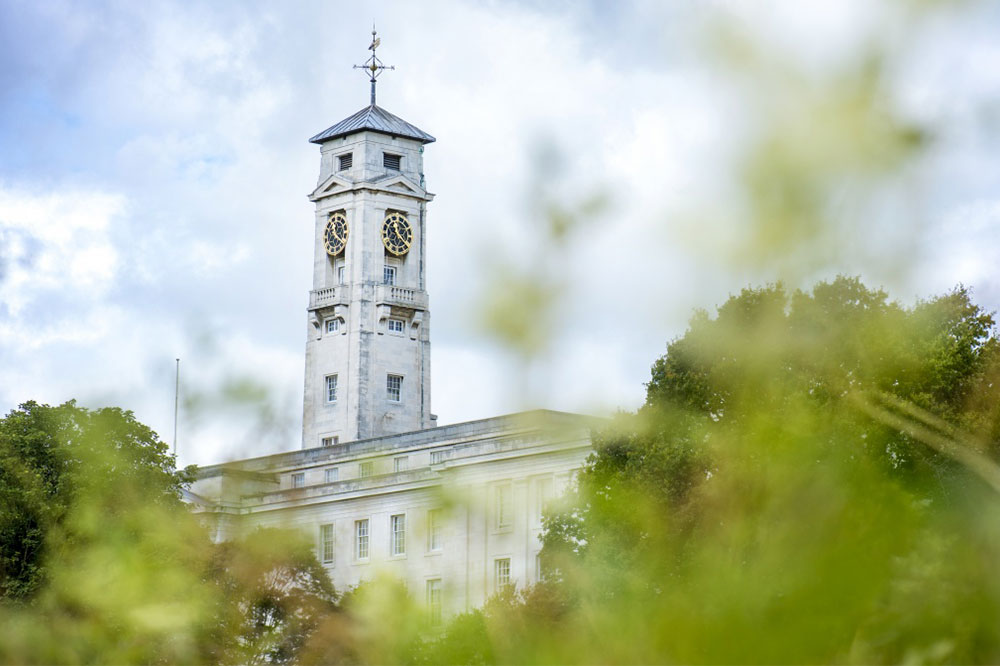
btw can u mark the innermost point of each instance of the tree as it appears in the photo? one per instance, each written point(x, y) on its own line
point(49, 457)
point(101, 561)
point(812, 477)
point(275, 595)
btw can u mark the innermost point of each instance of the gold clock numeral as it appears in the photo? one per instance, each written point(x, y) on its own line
point(397, 234)
point(335, 234)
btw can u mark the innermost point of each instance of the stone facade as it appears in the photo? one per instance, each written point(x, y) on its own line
point(453, 511)
point(470, 496)
point(351, 288)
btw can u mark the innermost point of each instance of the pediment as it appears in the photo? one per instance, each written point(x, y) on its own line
point(400, 184)
point(334, 184)
point(397, 184)
point(402, 187)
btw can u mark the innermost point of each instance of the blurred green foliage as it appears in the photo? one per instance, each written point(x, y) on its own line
point(756, 510)
point(813, 477)
point(51, 455)
point(102, 562)
point(274, 596)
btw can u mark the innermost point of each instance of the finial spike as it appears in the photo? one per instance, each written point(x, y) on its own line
point(373, 64)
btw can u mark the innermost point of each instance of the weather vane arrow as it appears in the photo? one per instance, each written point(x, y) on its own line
point(373, 65)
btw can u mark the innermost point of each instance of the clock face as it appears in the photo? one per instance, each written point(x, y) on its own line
point(397, 234)
point(335, 236)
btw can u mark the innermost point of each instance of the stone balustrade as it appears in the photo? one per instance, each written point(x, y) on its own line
point(403, 296)
point(319, 298)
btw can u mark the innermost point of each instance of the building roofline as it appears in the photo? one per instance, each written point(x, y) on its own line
point(440, 434)
point(373, 119)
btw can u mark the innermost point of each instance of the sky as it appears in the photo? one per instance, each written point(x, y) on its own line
point(154, 167)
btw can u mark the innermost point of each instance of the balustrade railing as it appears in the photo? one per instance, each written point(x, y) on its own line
point(401, 294)
point(413, 298)
point(384, 293)
point(321, 297)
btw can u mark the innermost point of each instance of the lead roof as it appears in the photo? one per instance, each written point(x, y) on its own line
point(376, 119)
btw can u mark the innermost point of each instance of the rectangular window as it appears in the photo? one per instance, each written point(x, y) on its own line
point(332, 325)
point(361, 539)
point(330, 441)
point(397, 526)
point(434, 530)
point(437, 457)
point(390, 161)
point(544, 495)
point(298, 480)
point(503, 507)
point(389, 275)
point(341, 275)
point(396, 326)
point(326, 544)
point(400, 464)
point(331, 388)
point(345, 162)
point(332, 474)
point(366, 469)
point(502, 571)
point(434, 600)
point(393, 387)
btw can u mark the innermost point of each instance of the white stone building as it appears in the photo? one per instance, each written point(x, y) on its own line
point(454, 511)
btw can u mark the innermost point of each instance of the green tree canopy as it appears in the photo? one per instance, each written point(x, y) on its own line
point(101, 561)
point(51, 456)
point(813, 477)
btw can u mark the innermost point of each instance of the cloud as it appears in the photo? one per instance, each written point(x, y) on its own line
point(56, 242)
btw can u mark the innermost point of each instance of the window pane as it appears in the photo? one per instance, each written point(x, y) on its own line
point(361, 539)
point(389, 275)
point(393, 386)
point(366, 469)
point(331, 388)
point(434, 529)
point(503, 508)
point(434, 600)
point(400, 464)
point(298, 480)
point(502, 572)
point(332, 474)
point(398, 527)
point(544, 491)
point(326, 543)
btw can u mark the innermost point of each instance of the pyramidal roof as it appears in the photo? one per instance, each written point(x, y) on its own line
point(375, 119)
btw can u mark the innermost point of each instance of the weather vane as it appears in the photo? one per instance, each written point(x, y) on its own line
point(373, 65)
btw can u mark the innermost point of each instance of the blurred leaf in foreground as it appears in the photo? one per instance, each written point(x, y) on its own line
point(754, 511)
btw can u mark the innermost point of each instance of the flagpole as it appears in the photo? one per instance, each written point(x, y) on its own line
point(177, 387)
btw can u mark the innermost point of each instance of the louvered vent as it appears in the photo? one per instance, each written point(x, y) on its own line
point(345, 162)
point(391, 162)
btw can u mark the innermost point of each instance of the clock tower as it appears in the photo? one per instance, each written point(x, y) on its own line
point(368, 340)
